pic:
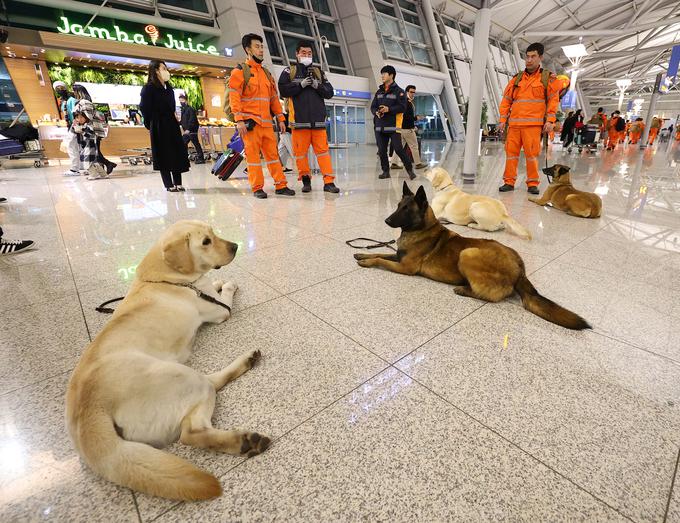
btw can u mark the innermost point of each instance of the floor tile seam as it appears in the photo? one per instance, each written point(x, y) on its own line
point(519, 447)
point(70, 266)
point(637, 347)
point(37, 382)
point(136, 505)
point(572, 247)
point(289, 431)
point(670, 492)
point(47, 298)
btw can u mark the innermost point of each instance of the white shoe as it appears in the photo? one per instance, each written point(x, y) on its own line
point(71, 173)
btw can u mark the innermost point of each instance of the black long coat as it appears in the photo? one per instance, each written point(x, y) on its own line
point(167, 147)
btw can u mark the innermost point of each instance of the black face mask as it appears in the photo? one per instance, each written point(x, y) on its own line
point(182, 104)
point(258, 60)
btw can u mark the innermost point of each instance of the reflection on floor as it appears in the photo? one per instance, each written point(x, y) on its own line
point(388, 397)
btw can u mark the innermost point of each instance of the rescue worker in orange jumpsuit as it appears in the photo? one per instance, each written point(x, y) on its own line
point(636, 130)
point(654, 129)
point(306, 87)
point(253, 106)
point(614, 136)
point(603, 121)
point(528, 116)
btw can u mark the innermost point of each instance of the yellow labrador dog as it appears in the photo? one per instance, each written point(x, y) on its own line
point(131, 394)
point(478, 212)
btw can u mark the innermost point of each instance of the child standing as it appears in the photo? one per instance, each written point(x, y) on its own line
point(87, 141)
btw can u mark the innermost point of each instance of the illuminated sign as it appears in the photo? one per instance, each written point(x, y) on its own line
point(168, 40)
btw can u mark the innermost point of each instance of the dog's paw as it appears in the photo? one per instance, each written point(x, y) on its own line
point(217, 285)
point(360, 256)
point(230, 286)
point(252, 358)
point(253, 444)
point(364, 263)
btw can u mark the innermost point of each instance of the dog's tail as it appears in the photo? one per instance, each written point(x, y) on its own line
point(546, 309)
point(136, 465)
point(516, 228)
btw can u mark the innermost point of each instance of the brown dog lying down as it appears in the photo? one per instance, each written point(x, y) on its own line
point(483, 269)
point(131, 393)
point(562, 195)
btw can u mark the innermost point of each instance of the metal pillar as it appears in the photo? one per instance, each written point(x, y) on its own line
point(480, 51)
point(495, 86)
point(442, 116)
point(449, 93)
point(518, 56)
point(650, 112)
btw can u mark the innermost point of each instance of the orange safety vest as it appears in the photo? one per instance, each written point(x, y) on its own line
point(259, 100)
point(524, 103)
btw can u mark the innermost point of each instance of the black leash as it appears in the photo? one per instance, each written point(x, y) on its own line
point(107, 310)
point(549, 176)
point(375, 245)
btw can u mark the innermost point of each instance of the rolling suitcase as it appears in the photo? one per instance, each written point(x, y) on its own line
point(226, 164)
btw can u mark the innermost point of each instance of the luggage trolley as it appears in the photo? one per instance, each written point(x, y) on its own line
point(31, 150)
point(587, 138)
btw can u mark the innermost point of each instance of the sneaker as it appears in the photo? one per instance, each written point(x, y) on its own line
point(533, 190)
point(506, 187)
point(83, 172)
point(306, 184)
point(180, 188)
point(14, 246)
point(395, 166)
point(384, 175)
point(260, 194)
point(330, 187)
point(3, 200)
point(286, 191)
point(171, 189)
point(287, 170)
point(420, 165)
point(199, 162)
point(110, 167)
point(72, 173)
point(411, 175)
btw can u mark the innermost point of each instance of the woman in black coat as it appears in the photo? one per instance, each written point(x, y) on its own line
point(157, 105)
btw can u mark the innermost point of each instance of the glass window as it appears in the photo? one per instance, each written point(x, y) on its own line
point(415, 33)
point(389, 25)
point(382, 8)
point(334, 56)
point(421, 55)
point(328, 30)
point(272, 43)
point(10, 103)
point(265, 17)
point(291, 44)
point(296, 3)
point(191, 5)
point(466, 29)
point(293, 22)
point(393, 49)
point(408, 5)
point(411, 18)
point(321, 6)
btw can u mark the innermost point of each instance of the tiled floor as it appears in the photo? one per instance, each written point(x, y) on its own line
point(389, 398)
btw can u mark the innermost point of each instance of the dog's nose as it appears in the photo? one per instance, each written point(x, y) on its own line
point(233, 247)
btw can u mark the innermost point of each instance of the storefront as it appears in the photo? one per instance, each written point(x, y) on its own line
point(110, 59)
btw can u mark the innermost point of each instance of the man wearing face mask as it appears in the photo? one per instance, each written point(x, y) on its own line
point(307, 87)
point(189, 123)
point(253, 100)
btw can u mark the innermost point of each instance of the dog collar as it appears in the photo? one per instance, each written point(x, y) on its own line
point(449, 185)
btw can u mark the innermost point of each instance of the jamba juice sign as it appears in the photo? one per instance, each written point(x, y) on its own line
point(151, 32)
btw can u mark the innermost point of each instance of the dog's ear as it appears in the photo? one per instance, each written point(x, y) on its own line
point(177, 255)
point(421, 197)
point(563, 170)
point(406, 190)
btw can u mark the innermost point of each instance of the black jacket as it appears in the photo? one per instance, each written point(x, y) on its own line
point(168, 150)
point(395, 99)
point(306, 109)
point(409, 121)
point(188, 120)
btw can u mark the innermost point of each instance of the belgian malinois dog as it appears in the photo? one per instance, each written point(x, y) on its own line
point(562, 195)
point(482, 269)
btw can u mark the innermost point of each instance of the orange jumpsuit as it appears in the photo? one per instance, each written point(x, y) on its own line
point(654, 130)
point(636, 131)
point(524, 108)
point(614, 136)
point(258, 102)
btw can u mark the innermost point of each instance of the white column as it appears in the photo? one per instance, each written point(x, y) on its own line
point(449, 93)
point(440, 108)
point(480, 51)
point(650, 112)
point(518, 56)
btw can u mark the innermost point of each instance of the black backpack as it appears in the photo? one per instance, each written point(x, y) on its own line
point(620, 125)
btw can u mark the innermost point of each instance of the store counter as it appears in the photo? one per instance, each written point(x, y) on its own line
point(118, 142)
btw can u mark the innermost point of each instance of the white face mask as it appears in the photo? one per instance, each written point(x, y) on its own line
point(305, 60)
point(165, 75)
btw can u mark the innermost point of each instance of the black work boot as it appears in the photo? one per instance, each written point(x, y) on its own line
point(330, 187)
point(506, 187)
point(260, 194)
point(533, 189)
point(384, 175)
point(306, 184)
point(286, 191)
